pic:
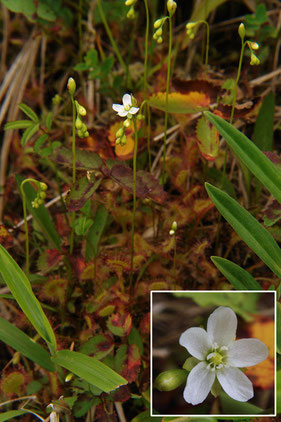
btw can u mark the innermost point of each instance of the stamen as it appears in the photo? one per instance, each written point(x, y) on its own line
point(211, 355)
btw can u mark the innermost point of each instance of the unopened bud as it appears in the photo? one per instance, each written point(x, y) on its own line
point(42, 195)
point(119, 133)
point(159, 32)
point(159, 40)
point(43, 186)
point(129, 2)
point(81, 110)
point(171, 232)
point(71, 86)
point(171, 6)
point(158, 23)
point(241, 31)
point(254, 45)
point(254, 60)
point(127, 123)
point(174, 226)
point(78, 123)
point(131, 14)
point(68, 377)
point(171, 379)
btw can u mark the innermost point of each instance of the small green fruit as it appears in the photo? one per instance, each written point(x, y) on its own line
point(170, 380)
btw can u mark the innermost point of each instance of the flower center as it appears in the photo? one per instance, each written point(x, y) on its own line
point(127, 107)
point(216, 358)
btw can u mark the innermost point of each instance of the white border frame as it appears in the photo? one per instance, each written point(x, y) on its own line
point(213, 291)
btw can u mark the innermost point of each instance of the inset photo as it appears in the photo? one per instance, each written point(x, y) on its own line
point(213, 353)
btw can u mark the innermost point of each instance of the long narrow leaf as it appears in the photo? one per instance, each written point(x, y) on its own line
point(237, 276)
point(248, 228)
point(95, 232)
point(29, 112)
point(18, 124)
point(21, 290)
point(250, 155)
point(12, 414)
point(28, 133)
point(90, 369)
point(41, 214)
point(19, 341)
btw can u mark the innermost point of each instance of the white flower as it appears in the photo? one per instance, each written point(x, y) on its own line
point(127, 109)
point(220, 357)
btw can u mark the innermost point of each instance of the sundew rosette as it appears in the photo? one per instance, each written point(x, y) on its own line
point(219, 357)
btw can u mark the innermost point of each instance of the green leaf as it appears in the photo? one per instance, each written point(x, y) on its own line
point(28, 133)
point(248, 228)
point(263, 132)
point(238, 277)
point(40, 142)
point(89, 369)
point(207, 139)
point(95, 232)
point(250, 155)
point(41, 214)
point(178, 103)
point(19, 341)
point(29, 112)
point(231, 406)
point(18, 124)
point(85, 160)
point(20, 288)
point(82, 225)
point(12, 414)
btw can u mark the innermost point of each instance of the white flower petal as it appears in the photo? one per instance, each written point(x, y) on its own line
point(134, 110)
point(222, 325)
point(118, 107)
point(122, 113)
point(246, 352)
point(196, 341)
point(235, 384)
point(127, 100)
point(199, 384)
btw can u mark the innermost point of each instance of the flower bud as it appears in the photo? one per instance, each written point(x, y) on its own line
point(42, 195)
point(131, 14)
point(241, 31)
point(127, 123)
point(71, 86)
point(123, 140)
point(254, 60)
point(171, 379)
point(68, 377)
point(190, 25)
point(155, 36)
point(159, 32)
point(86, 134)
point(159, 40)
point(174, 226)
point(81, 110)
point(171, 232)
point(119, 132)
point(78, 123)
point(129, 2)
point(16, 358)
point(171, 6)
point(158, 23)
point(43, 186)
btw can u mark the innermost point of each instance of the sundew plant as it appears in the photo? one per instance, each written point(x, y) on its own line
point(138, 153)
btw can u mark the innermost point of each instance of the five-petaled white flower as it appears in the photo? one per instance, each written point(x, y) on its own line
point(220, 357)
point(127, 109)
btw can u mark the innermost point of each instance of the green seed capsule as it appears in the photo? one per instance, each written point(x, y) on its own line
point(171, 379)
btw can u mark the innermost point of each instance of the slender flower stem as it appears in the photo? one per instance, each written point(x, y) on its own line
point(207, 47)
point(71, 242)
point(110, 36)
point(167, 98)
point(134, 201)
point(237, 80)
point(146, 48)
point(25, 228)
point(148, 137)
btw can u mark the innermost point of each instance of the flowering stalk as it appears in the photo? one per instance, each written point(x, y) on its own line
point(39, 200)
point(134, 202)
point(191, 34)
point(146, 47)
point(71, 89)
point(172, 232)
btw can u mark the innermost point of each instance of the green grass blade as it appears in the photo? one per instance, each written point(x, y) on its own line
point(237, 276)
point(90, 369)
point(263, 132)
point(22, 292)
point(95, 232)
point(18, 124)
point(41, 214)
point(248, 228)
point(12, 414)
point(19, 341)
point(250, 155)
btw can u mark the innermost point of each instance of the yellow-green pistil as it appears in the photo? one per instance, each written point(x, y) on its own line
point(216, 359)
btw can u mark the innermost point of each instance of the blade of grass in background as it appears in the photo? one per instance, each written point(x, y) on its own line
point(90, 369)
point(19, 341)
point(250, 155)
point(22, 292)
point(95, 232)
point(237, 276)
point(12, 414)
point(248, 228)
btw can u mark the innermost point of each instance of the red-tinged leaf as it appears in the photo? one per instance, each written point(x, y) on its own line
point(272, 214)
point(146, 186)
point(98, 346)
point(6, 239)
point(102, 414)
point(49, 260)
point(120, 324)
point(210, 90)
point(241, 110)
point(207, 138)
point(85, 160)
point(97, 142)
point(81, 191)
point(127, 362)
point(122, 394)
point(145, 324)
